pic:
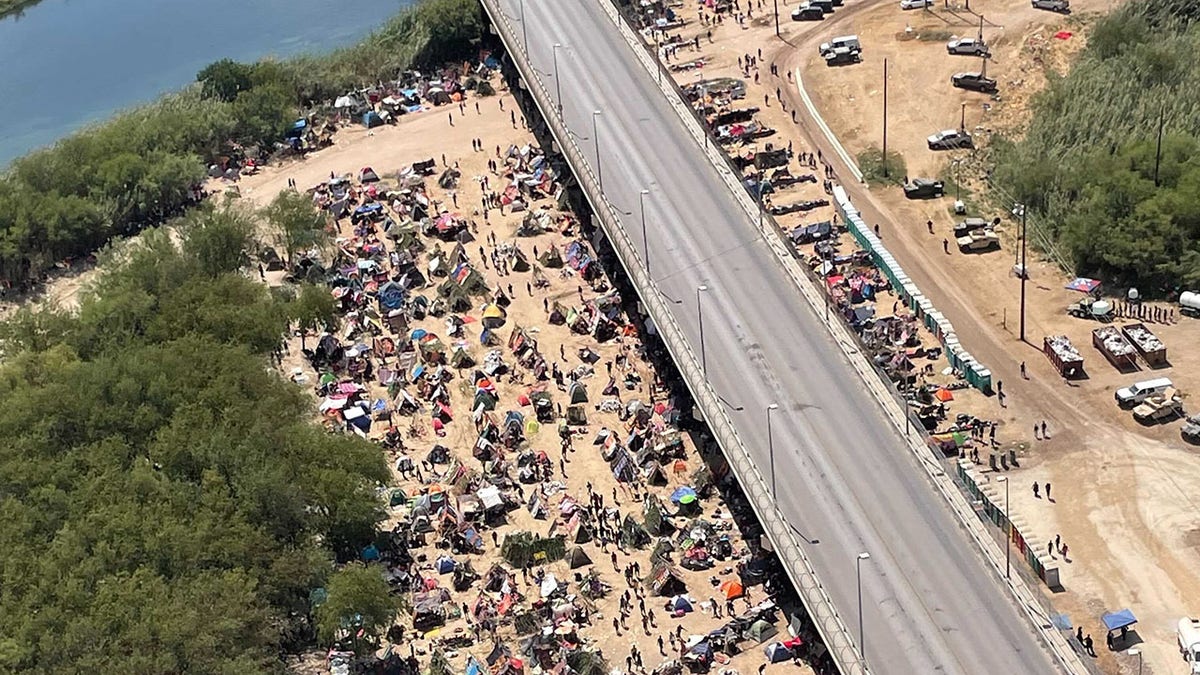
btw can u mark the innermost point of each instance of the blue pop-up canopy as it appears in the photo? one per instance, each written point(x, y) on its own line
point(1118, 619)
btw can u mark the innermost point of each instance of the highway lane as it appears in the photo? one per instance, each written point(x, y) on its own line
point(844, 476)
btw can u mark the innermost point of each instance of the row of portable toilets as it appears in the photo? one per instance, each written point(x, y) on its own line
point(977, 375)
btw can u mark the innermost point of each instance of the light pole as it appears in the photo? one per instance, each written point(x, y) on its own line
point(1134, 651)
point(957, 181)
point(645, 240)
point(777, 18)
point(1007, 531)
point(862, 645)
point(700, 317)
point(963, 121)
point(771, 446)
point(596, 145)
point(557, 81)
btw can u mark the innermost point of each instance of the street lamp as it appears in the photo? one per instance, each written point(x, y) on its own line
point(771, 446)
point(1134, 651)
point(596, 145)
point(862, 645)
point(1007, 531)
point(700, 317)
point(557, 81)
point(645, 240)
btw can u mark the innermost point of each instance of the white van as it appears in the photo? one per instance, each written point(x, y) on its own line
point(1140, 391)
point(1189, 642)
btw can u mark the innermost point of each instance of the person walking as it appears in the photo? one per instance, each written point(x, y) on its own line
point(1035, 491)
point(1023, 375)
point(1035, 431)
point(946, 246)
point(1087, 644)
point(1045, 436)
point(1048, 491)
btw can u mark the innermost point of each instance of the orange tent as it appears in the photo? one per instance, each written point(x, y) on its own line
point(732, 588)
point(944, 395)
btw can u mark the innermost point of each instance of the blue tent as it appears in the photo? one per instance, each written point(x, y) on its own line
point(683, 495)
point(1119, 619)
point(391, 295)
point(776, 652)
point(297, 129)
point(680, 603)
point(370, 553)
point(371, 119)
point(446, 564)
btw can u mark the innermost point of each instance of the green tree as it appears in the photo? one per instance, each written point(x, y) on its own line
point(358, 598)
point(313, 309)
point(225, 79)
point(295, 223)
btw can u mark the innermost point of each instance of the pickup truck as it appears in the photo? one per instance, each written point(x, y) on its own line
point(1159, 407)
point(1188, 635)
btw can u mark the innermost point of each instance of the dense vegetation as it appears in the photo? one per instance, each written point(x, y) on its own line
point(1087, 163)
point(137, 170)
point(166, 504)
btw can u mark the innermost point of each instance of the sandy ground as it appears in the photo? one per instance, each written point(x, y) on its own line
point(388, 149)
point(1124, 493)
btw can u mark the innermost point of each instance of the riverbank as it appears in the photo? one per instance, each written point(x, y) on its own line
point(8, 7)
point(69, 200)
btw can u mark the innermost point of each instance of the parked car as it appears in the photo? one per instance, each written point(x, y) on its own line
point(842, 56)
point(967, 46)
point(949, 139)
point(849, 41)
point(807, 12)
point(1060, 6)
point(915, 4)
point(1191, 434)
point(924, 188)
point(974, 82)
point(825, 5)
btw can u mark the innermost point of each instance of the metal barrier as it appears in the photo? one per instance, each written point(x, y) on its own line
point(828, 622)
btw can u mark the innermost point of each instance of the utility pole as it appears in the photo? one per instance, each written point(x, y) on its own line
point(1158, 150)
point(777, 19)
point(962, 123)
point(645, 239)
point(771, 447)
point(885, 157)
point(700, 318)
point(980, 25)
point(1024, 269)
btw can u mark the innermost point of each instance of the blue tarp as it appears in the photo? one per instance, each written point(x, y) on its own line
point(1083, 285)
point(297, 129)
point(372, 119)
point(682, 493)
point(1118, 619)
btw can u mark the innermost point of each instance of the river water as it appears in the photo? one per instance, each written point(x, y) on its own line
point(66, 63)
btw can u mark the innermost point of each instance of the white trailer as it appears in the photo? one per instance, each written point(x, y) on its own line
point(1189, 642)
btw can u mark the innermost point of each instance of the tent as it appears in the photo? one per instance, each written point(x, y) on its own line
point(760, 631)
point(943, 395)
point(732, 588)
point(777, 652)
point(578, 558)
point(683, 495)
point(664, 580)
point(493, 316)
point(578, 392)
point(681, 604)
point(368, 175)
point(371, 119)
point(446, 564)
point(1083, 285)
point(1119, 619)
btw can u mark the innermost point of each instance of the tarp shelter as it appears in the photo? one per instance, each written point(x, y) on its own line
point(664, 580)
point(732, 588)
point(371, 119)
point(680, 603)
point(777, 652)
point(578, 558)
point(1083, 285)
point(760, 631)
point(683, 495)
point(1119, 619)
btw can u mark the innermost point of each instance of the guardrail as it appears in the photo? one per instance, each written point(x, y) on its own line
point(799, 568)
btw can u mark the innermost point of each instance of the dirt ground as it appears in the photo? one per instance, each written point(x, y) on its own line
point(387, 149)
point(1123, 493)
